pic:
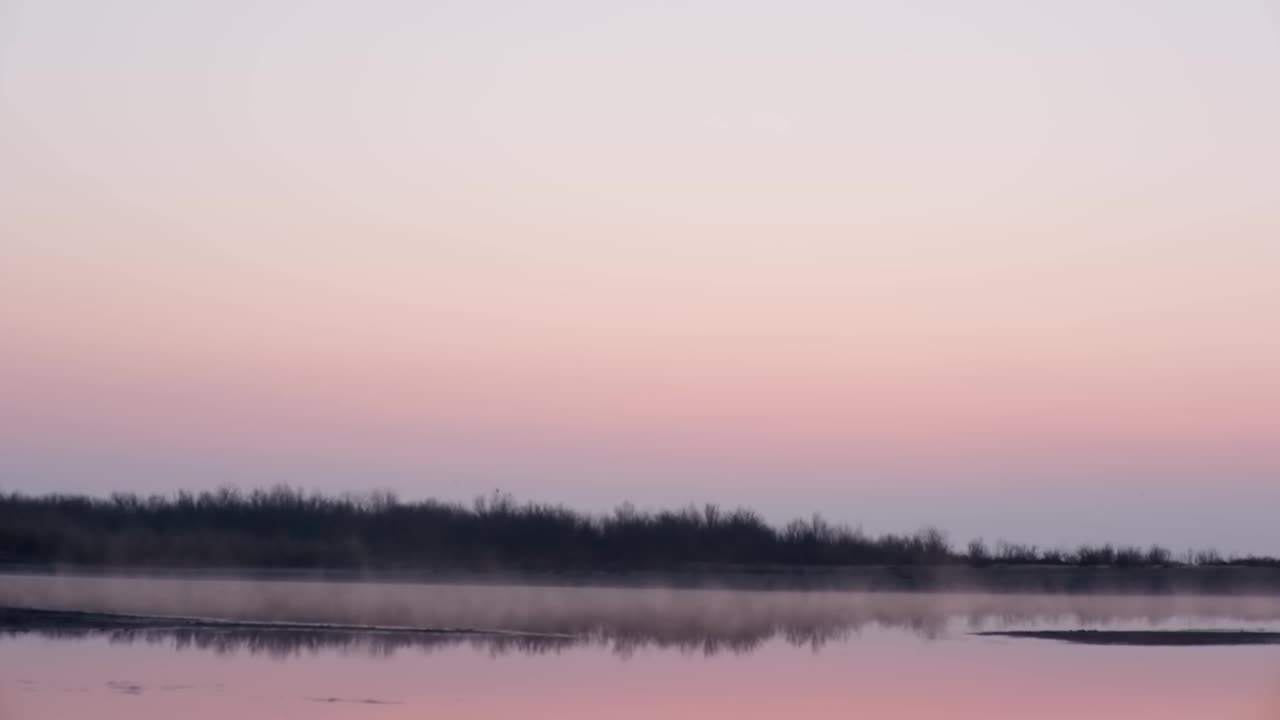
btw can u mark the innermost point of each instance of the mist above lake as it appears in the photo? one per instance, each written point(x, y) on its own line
point(625, 617)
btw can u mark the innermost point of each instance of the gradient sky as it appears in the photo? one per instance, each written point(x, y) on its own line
point(1012, 268)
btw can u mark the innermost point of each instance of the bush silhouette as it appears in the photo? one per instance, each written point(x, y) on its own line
point(282, 527)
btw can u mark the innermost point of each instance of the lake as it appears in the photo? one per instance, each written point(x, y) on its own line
point(498, 651)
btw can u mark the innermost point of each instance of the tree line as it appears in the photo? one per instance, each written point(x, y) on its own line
point(286, 528)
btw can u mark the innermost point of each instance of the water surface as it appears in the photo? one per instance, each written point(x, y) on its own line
point(623, 653)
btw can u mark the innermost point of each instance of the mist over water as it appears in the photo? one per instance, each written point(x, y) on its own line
point(623, 619)
point(633, 653)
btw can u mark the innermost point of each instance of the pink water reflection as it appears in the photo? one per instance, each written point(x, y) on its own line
point(878, 674)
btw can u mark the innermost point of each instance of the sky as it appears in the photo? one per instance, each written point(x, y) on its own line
point(1008, 268)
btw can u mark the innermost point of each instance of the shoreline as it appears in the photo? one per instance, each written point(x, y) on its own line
point(34, 618)
point(1015, 579)
point(1145, 638)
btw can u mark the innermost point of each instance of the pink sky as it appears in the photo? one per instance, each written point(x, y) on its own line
point(1013, 270)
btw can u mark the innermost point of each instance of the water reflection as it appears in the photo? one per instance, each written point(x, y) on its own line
point(879, 672)
point(283, 645)
point(286, 644)
point(620, 621)
point(283, 642)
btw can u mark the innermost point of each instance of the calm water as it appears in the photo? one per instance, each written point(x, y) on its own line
point(603, 653)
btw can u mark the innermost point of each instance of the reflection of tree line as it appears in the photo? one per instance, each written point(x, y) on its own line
point(689, 630)
point(283, 645)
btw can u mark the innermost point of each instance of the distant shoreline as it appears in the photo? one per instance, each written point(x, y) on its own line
point(292, 533)
point(1146, 638)
point(28, 618)
point(1018, 579)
